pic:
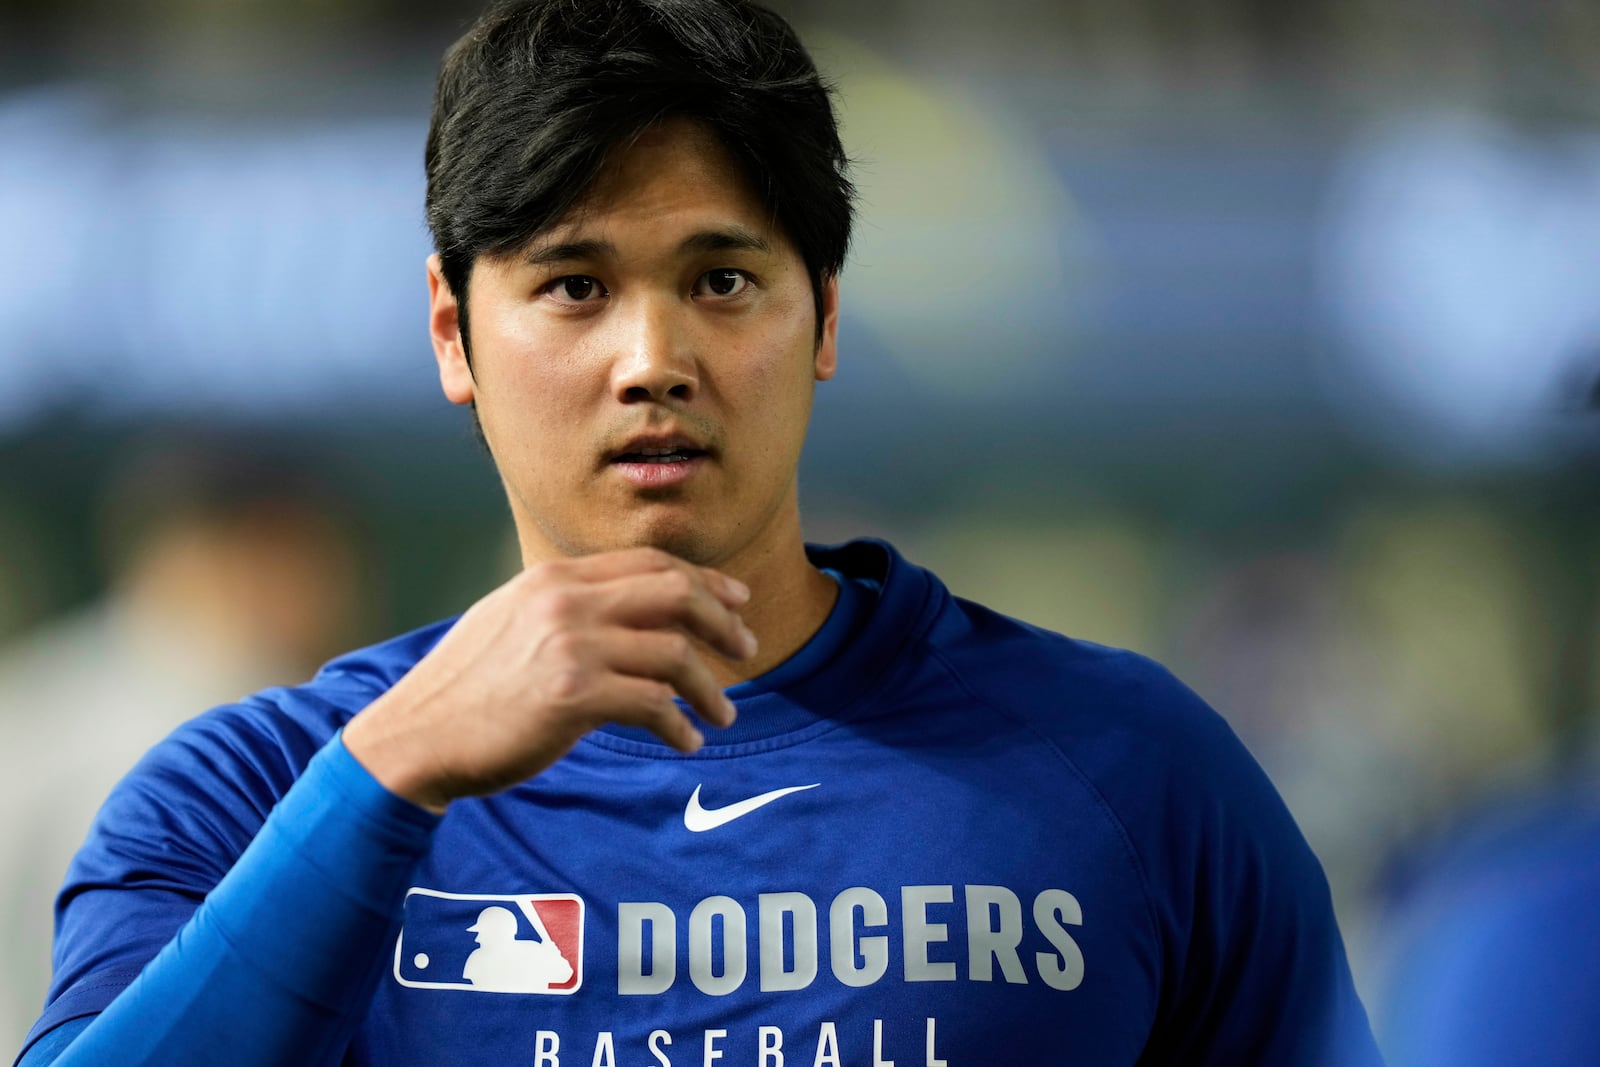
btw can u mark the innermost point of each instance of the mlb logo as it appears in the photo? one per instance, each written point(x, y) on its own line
point(491, 942)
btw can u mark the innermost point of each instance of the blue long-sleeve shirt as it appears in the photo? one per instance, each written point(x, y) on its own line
point(934, 835)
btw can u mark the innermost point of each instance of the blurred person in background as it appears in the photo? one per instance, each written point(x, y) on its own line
point(645, 206)
point(1491, 947)
point(1490, 927)
point(229, 570)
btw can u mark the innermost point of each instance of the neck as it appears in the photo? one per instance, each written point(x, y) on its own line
point(789, 601)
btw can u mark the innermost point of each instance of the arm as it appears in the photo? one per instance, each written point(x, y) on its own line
point(1259, 971)
point(1264, 976)
point(296, 931)
point(1245, 957)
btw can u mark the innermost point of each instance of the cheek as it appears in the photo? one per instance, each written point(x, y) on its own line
point(525, 366)
point(771, 399)
point(766, 388)
point(780, 361)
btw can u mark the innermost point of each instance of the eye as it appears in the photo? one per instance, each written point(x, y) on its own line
point(724, 281)
point(575, 289)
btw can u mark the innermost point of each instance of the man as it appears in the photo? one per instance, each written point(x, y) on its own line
point(918, 832)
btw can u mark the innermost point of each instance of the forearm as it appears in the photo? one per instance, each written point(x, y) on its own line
point(279, 963)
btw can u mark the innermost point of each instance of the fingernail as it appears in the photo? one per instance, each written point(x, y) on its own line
point(732, 711)
point(740, 591)
point(747, 640)
point(696, 739)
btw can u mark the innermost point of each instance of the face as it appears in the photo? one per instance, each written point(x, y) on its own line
point(643, 370)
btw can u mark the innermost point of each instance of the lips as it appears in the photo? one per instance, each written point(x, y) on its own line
point(659, 448)
point(667, 461)
point(650, 455)
point(660, 464)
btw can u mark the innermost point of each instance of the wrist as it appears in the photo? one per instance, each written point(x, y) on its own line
point(395, 763)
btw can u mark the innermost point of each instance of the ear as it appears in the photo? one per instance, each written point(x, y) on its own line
point(827, 357)
point(449, 349)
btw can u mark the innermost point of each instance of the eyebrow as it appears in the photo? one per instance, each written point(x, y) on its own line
point(567, 251)
point(729, 239)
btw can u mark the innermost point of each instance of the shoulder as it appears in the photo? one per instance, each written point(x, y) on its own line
point(1111, 711)
point(286, 725)
point(214, 779)
point(176, 823)
point(1166, 766)
point(1162, 763)
point(983, 643)
point(297, 720)
point(1240, 902)
point(377, 667)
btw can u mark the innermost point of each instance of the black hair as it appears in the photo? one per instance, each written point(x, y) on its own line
point(536, 94)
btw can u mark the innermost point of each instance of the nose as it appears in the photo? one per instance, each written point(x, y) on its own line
point(655, 359)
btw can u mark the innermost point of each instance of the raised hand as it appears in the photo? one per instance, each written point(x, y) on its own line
point(558, 650)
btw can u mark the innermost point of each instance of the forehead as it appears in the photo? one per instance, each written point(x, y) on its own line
point(676, 170)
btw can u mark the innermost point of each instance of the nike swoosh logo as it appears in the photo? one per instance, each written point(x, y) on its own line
point(698, 819)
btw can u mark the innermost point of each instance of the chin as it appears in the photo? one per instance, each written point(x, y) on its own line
point(690, 542)
point(691, 545)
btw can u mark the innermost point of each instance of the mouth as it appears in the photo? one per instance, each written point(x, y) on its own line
point(659, 462)
point(659, 448)
point(659, 455)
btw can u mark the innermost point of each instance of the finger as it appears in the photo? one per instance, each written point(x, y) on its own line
point(731, 591)
point(606, 566)
point(667, 656)
point(641, 702)
point(678, 600)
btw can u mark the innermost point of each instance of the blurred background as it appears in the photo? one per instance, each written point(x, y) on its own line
point(1262, 338)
